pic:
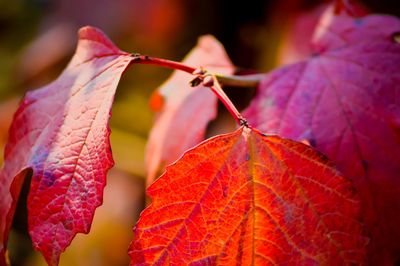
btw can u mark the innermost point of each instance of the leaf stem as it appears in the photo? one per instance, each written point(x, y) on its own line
point(217, 89)
point(144, 59)
point(201, 74)
point(227, 80)
point(240, 81)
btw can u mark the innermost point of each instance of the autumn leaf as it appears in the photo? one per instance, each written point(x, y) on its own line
point(185, 111)
point(296, 44)
point(245, 198)
point(61, 132)
point(345, 101)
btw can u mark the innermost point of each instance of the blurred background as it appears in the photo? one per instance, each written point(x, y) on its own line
point(38, 37)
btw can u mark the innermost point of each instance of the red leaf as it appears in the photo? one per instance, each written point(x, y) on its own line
point(346, 102)
point(186, 111)
point(296, 44)
point(61, 132)
point(249, 199)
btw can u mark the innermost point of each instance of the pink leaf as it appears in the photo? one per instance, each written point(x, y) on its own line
point(186, 111)
point(61, 132)
point(297, 45)
point(346, 102)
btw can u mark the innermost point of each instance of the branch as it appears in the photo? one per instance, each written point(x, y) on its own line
point(227, 80)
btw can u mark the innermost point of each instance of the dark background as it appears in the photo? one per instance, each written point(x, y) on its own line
point(38, 37)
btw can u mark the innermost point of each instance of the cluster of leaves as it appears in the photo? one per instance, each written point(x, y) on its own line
point(239, 198)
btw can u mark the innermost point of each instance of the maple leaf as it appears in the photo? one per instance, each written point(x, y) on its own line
point(185, 111)
point(249, 199)
point(345, 101)
point(61, 132)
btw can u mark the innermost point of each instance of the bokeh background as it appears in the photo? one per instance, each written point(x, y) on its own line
point(38, 37)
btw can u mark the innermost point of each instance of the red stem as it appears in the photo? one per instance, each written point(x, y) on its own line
point(216, 88)
point(147, 60)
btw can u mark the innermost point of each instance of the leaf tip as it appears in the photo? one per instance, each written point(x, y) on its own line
point(52, 259)
point(89, 32)
point(94, 34)
point(206, 39)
